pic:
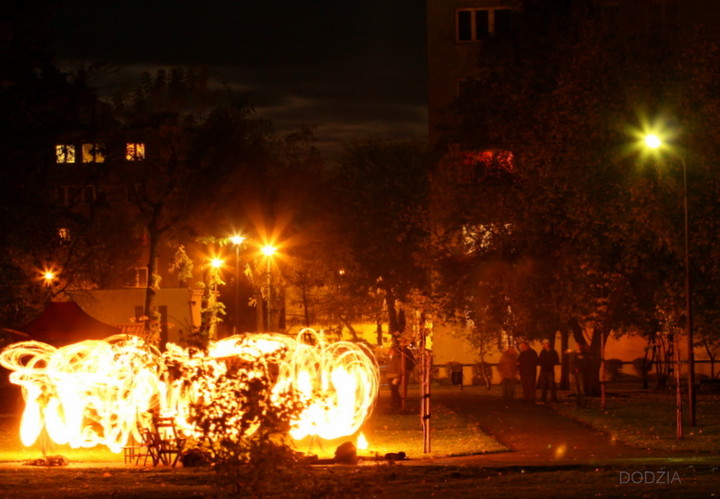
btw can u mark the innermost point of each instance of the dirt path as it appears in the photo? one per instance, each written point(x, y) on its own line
point(537, 435)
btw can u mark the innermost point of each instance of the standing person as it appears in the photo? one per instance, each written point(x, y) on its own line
point(508, 369)
point(547, 361)
point(578, 369)
point(394, 376)
point(527, 365)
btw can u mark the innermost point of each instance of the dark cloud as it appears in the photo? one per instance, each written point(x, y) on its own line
point(350, 68)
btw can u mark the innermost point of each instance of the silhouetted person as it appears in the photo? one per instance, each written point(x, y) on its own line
point(508, 369)
point(547, 361)
point(527, 365)
point(579, 368)
point(394, 376)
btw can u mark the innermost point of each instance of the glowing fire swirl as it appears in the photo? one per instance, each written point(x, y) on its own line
point(100, 392)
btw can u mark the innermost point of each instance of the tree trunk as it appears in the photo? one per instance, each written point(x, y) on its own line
point(645, 370)
point(565, 362)
point(205, 314)
point(259, 310)
point(393, 323)
point(351, 329)
point(596, 360)
point(152, 326)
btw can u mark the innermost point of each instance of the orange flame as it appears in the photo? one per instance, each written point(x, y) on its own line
point(362, 443)
point(101, 392)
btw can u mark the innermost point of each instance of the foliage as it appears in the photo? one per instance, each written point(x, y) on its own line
point(378, 195)
point(182, 265)
point(202, 143)
point(39, 104)
point(580, 231)
point(242, 421)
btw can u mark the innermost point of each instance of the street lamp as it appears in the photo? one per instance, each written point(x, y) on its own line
point(654, 142)
point(268, 250)
point(237, 240)
point(48, 277)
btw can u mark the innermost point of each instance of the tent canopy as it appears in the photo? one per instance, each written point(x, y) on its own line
point(63, 323)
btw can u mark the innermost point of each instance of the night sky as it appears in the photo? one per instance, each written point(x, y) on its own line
point(349, 68)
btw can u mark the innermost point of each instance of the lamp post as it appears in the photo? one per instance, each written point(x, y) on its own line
point(268, 250)
point(237, 240)
point(654, 142)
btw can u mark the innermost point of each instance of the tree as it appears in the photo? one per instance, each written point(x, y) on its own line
point(378, 194)
point(40, 105)
point(591, 240)
point(200, 154)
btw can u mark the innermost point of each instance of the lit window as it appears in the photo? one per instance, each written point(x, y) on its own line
point(93, 153)
point(476, 24)
point(64, 235)
point(65, 153)
point(134, 151)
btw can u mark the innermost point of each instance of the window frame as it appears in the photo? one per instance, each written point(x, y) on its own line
point(65, 154)
point(92, 153)
point(135, 151)
point(490, 32)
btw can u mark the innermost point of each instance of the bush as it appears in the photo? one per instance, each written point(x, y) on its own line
point(242, 424)
point(613, 368)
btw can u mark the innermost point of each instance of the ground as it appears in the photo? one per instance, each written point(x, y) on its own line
point(539, 453)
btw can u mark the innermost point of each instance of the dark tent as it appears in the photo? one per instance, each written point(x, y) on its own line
point(63, 323)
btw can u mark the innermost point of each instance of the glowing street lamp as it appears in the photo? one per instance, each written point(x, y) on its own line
point(237, 240)
point(268, 250)
point(48, 277)
point(654, 142)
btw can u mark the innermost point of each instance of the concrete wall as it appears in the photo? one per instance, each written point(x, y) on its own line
point(118, 307)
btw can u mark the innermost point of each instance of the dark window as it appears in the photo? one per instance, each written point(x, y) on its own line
point(503, 22)
point(477, 24)
point(482, 24)
point(464, 25)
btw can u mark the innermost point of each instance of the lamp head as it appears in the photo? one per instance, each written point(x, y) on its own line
point(653, 141)
point(268, 250)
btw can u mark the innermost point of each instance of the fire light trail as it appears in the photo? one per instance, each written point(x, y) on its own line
point(102, 392)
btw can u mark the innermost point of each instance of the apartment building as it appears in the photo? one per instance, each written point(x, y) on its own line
point(463, 35)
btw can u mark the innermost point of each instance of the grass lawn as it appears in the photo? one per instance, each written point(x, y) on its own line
point(452, 434)
point(647, 418)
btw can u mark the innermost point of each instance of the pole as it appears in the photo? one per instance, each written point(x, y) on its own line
point(237, 289)
point(678, 394)
point(425, 375)
point(688, 305)
point(603, 381)
point(268, 311)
